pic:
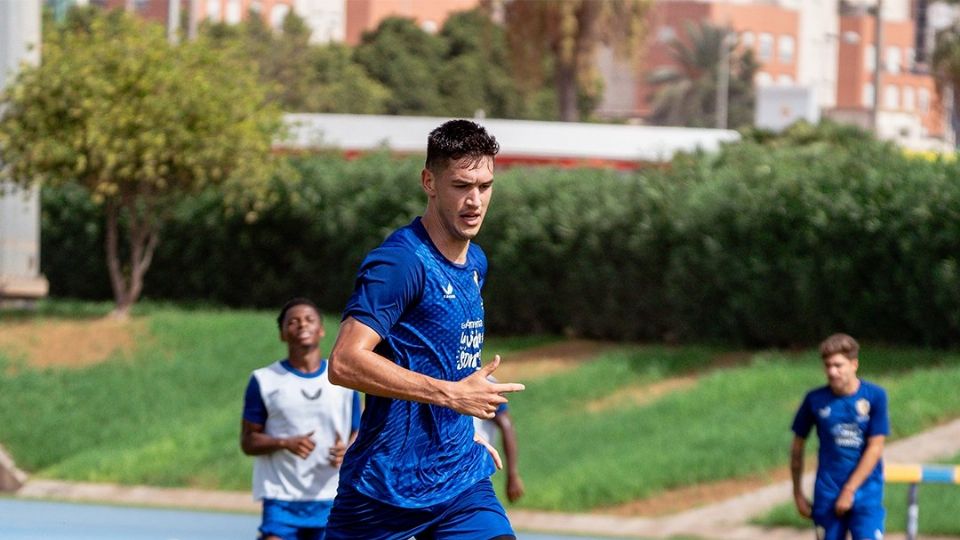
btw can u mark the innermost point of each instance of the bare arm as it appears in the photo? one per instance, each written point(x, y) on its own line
point(796, 474)
point(514, 484)
point(868, 462)
point(354, 364)
point(254, 442)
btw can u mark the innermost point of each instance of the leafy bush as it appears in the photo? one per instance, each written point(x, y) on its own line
point(777, 240)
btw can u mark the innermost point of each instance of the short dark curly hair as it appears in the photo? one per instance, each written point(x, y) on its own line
point(292, 303)
point(458, 139)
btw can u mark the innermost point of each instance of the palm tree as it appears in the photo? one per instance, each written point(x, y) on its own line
point(687, 92)
point(946, 66)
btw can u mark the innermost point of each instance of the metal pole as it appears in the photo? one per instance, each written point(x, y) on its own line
point(723, 82)
point(913, 513)
point(878, 54)
point(192, 19)
point(173, 21)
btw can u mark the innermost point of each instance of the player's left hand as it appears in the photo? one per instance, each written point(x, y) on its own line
point(337, 451)
point(844, 502)
point(493, 451)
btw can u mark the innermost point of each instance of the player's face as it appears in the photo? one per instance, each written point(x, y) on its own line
point(841, 373)
point(302, 326)
point(461, 194)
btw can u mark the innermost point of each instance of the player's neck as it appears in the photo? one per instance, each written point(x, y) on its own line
point(452, 248)
point(306, 360)
point(851, 388)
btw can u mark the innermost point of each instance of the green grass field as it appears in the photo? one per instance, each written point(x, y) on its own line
point(169, 413)
point(938, 509)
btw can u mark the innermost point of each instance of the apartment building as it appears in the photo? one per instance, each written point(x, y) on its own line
point(826, 46)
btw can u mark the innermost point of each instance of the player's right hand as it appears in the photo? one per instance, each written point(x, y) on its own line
point(804, 508)
point(476, 396)
point(301, 445)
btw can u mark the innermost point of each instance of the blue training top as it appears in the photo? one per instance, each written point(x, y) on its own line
point(844, 424)
point(429, 314)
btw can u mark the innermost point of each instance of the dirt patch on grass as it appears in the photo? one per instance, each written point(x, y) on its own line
point(549, 359)
point(641, 394)
point(685, 498)
point(49, 343)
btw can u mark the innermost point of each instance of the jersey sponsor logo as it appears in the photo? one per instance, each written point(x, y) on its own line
point(311, 397)
point(448, 291)
point(847, 435)
point(824, 412)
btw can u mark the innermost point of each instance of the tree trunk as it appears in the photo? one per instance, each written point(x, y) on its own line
point(567, 92)
point(127, 283)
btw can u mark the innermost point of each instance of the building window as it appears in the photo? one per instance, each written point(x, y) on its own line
point(870, 58)
point(765, 47)
point(909, 98)
point(893, 60)
point(910, 60)
point(213, 10)
point(746, 39)
point(429, 26)
point(785, 49)
point(763, 78)
point(867, 95)
point(923, 100)
point(233, 14)
point(891, 97)
point(784, 80)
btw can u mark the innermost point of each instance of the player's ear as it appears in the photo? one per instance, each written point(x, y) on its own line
point(428, 182)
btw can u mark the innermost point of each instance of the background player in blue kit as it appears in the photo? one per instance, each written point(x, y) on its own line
point(411, 339)
point(850, 415)
point(298, 426)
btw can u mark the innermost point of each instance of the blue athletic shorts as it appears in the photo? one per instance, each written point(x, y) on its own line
point(295, 520)
point(864, 523)
point(475, 514)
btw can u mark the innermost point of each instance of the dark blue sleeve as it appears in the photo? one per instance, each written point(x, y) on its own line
point(389, 280)
point(879, 420)
point(803, 421)
point(355, 418)
point(254, 409)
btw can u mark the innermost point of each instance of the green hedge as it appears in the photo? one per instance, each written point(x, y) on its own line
point(772, 241)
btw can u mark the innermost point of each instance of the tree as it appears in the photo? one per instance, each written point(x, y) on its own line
point(303, 77)
point(406, 60)
point(476, 68)
point(139, 124)
point(571, 30)
point(946, 65)
point(687, 92)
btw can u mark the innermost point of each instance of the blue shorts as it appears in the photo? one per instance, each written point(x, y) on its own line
point(863, 523)
point(475, 514)
point(295, 520)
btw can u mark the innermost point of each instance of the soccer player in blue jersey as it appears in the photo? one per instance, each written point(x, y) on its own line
point(850, 415)
point(411, 339)
point(297, 425)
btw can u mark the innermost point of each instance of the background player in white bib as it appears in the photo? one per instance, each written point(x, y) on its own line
point(298, 426)
point(499, 429)
point(411, 340)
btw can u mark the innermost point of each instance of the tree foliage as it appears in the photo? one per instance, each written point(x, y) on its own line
point(687, 92)
point(406, 60)
point(139, 124)
point(570, 31)
point(303, 77)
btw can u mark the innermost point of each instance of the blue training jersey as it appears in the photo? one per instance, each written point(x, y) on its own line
point(844, 424)
point(429, 315)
